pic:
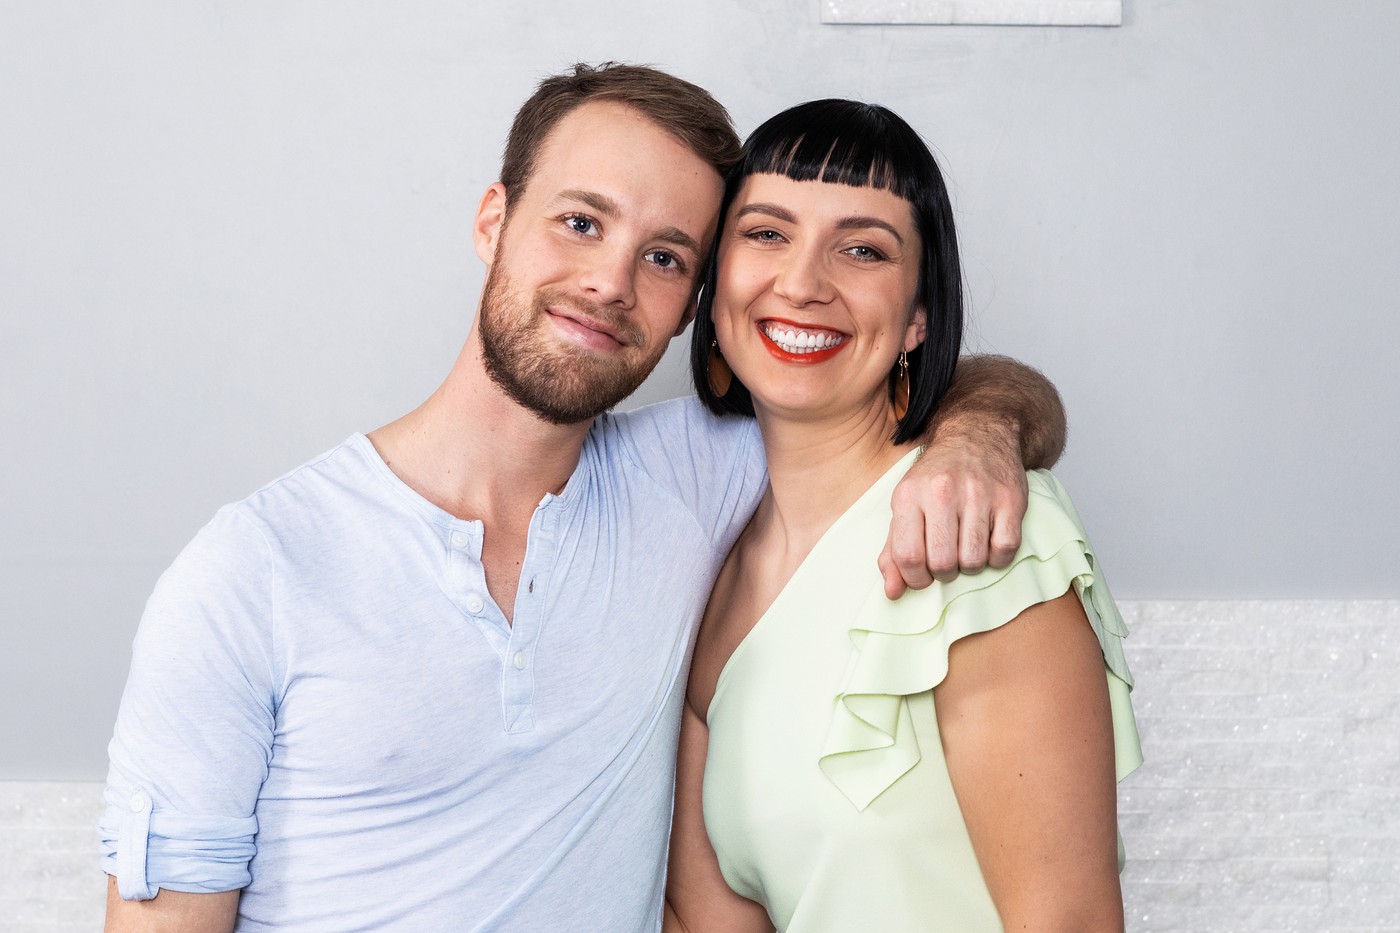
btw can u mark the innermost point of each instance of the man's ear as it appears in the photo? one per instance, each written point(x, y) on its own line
point(917, 330)
point(490, 219)
point(689, 314)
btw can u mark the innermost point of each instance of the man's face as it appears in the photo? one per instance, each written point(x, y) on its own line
point(592, 268)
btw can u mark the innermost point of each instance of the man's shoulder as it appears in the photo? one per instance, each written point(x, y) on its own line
point(712, 466)
point(682, 420)
point(326, 483)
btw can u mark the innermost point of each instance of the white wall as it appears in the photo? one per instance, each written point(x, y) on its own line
point(233, 233)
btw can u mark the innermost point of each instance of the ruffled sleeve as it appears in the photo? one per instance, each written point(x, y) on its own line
point(900, 648)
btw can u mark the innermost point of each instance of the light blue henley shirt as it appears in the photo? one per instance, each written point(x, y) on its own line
point(327, 709)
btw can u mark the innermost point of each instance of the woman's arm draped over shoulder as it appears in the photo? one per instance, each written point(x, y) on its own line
point(697, 898)
point(961, 505)
point(1028, 736)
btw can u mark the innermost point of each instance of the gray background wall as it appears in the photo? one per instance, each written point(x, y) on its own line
point(237, 232)
point(233, 233)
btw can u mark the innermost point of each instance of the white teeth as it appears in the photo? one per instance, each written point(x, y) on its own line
point(794, 341)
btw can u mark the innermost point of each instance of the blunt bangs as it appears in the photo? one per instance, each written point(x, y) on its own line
point(842, 142)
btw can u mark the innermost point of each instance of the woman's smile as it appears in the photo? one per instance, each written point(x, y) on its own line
point(796, 343)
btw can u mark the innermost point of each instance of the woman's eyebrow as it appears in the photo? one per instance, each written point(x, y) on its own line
point(771, 210)
point(858, 222)
point(853, 222)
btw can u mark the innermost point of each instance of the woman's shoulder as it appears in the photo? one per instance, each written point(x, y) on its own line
point(901, 647)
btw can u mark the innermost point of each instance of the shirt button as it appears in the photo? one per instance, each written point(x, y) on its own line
point(459, 539)
point(520, 660)
point(139, 802)
point(475, 603)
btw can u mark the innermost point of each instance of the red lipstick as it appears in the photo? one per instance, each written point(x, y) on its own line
point(810, 356)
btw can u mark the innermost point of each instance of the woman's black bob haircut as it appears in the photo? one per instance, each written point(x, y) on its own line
point(847, 142)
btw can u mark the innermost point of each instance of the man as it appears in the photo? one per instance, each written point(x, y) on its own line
point(432, 679)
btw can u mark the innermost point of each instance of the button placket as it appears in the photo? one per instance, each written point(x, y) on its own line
point(466, 585)
point(518, 678)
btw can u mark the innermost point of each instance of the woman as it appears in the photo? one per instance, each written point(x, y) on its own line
point(943, 762)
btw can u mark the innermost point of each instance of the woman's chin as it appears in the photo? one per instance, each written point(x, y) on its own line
point(811, 408)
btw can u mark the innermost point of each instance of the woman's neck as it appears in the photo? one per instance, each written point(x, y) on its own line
point(818, 469)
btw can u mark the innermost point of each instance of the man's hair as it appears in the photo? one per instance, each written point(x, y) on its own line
point(847, 142)
point(680, 108)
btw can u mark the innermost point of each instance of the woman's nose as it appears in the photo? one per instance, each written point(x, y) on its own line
point(803, 278)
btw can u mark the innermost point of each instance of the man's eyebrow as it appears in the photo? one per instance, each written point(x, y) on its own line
point(599, 202)
point(607, 207)
point(678, 237)
point(853, 222)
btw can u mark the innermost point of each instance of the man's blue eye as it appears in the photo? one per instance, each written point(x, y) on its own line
point(663, 259)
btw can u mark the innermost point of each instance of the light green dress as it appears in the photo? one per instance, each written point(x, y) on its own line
point(826, 795)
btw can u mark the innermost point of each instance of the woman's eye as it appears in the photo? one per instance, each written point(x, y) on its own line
point(580, 224)
point(764, 236)
point(866, 253)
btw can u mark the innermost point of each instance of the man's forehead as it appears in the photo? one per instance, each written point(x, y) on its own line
point(608, 135)
point(618, 162)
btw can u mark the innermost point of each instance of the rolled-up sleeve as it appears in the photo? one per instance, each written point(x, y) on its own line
point(145, 852)
point(194, 734)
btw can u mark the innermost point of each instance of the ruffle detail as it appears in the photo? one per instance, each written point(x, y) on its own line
point(870, 742)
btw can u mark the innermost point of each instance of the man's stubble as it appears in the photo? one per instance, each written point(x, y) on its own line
point(559, 386)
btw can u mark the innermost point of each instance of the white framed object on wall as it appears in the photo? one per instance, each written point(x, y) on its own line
point(975, 12)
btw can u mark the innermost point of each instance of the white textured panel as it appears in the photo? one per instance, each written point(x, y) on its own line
point(51, 881)
point(1271, 731)
point(976, 12)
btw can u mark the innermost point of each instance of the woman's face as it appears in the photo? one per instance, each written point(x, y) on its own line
point(817, 293)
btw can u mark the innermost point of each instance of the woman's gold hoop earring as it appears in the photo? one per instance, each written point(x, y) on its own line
point(901, 386)
point(721, 376)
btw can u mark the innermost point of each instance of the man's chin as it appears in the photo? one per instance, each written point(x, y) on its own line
point(566, 401)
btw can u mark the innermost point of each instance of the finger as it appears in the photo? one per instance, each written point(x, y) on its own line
point(974, 533)
point(894, 583)
point(941, 543)
point(1006, 537)
point(907, 549)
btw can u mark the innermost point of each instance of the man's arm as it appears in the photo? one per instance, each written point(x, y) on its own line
point(960, 506)
point(194, 733)
point(997, 394)
point(171, 910)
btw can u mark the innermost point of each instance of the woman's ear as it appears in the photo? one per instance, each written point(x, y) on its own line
point(917, 330)
point(490, 219)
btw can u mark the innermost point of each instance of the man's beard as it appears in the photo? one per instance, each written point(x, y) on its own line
point(558, 386)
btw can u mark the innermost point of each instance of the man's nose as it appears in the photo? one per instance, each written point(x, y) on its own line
point(610, 278)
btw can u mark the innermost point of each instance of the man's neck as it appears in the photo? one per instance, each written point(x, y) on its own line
point(474, 452)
